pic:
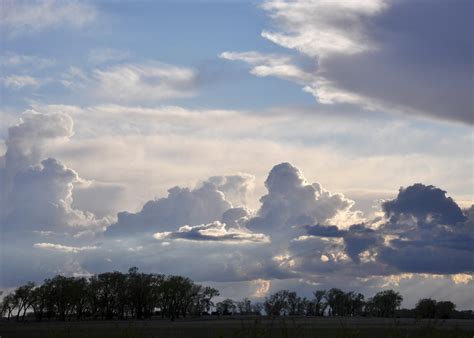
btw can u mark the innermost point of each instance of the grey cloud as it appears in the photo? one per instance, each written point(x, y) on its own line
point(236, 217)
point(101, 199)
point(424, 202)
point(424, 231)
point(409, 57)
point(182, 206)
point(360, 238)
point(325, 231)
point(429, 43)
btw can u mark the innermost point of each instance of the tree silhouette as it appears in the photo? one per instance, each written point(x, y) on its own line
point(115, 295)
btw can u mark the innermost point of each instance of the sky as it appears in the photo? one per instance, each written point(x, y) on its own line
point(252, 146)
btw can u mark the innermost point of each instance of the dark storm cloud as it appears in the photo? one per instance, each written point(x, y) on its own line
point(409, 57)
point(424, 231)
point(423, 60)
point(424, 202)
point(325, 231)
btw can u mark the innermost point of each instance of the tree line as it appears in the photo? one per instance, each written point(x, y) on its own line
point(111, 295)
point(116, 295)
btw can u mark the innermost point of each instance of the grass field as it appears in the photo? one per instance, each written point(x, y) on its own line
point(244, 327)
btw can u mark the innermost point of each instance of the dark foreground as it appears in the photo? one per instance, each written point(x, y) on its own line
point(244, 327)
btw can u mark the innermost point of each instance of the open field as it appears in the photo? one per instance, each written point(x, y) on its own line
point(244, 327)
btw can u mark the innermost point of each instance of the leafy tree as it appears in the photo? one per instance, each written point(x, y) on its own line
point(277, 303)
point(226, 307)
point(445, 309)
point(336, 299)
point(8, 305)
point(384, 303)
point(203, 300)
point(22, 299)
point(244, 306)
point(426, 308)
point(319, 304)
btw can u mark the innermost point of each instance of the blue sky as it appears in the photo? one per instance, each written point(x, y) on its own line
point(241, 106)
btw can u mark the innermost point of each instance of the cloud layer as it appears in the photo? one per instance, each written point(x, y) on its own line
point(300, 231)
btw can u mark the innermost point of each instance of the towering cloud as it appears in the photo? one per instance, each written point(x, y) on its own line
point(292, 202)
point(36, 192)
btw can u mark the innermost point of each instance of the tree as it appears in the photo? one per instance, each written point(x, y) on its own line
point(39, 301)
point(8, 305)
point(336, 299)
point(444, 309)
point(355, 303)
point(226, 307)
point(319, 304)
point(384, 303)
point(244, 306)
point(203, 301)
point(257, 308)
point(277, 304)
point(426, 308)
point(22, 298)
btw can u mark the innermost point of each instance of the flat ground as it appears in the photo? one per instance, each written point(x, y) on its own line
point(244, 327)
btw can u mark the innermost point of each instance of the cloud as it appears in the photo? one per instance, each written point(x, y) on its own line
point(290, 239)
point(423, 231)
point(63, 248)
point(363, 53)
point(144, 82)
point(32, 16)
point(27, 141)
point(182, 206)
point(322, 28)
point(263, 65)
point(325, 231)
point(236, 217)
point(21, 81)
point(15, 60)
point(41, 198)
point(425, 203)
point(104, 55)
point(36, 192)
point(215, 231)
point(235, 187)
point(292, 202)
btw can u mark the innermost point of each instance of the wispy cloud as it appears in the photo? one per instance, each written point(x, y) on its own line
point(21, 81)
point(103, 55)
point(11, 59)
point(144, 82)
point(32, 16)
point(135, 82)
point(63, 248)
